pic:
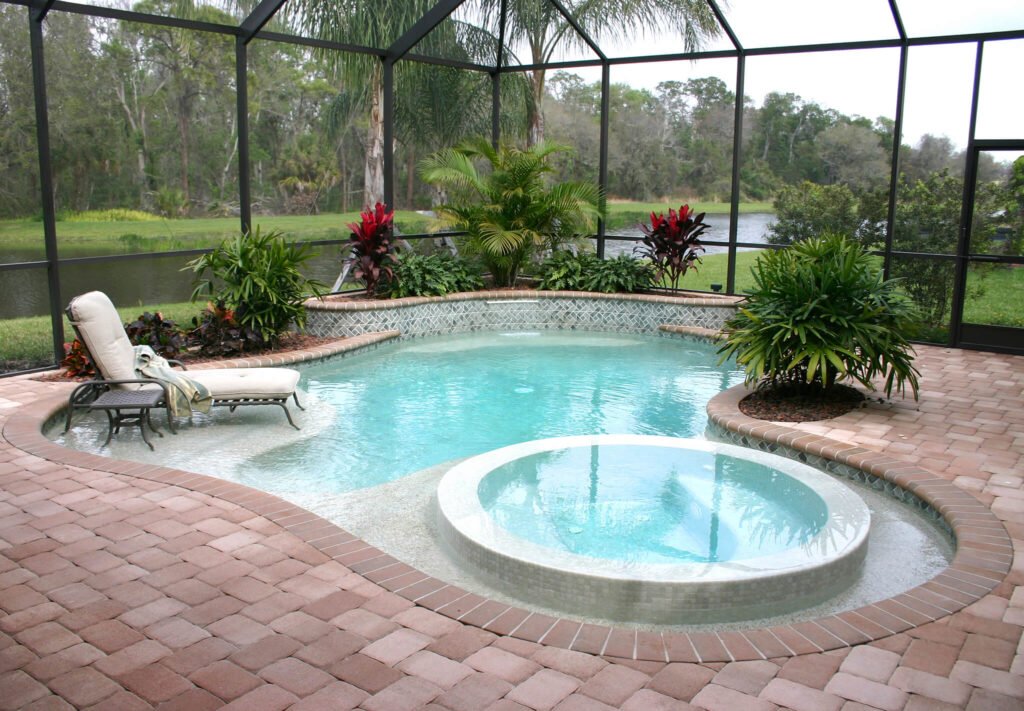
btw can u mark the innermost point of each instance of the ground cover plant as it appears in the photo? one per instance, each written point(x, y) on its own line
point(820, 313)
point(567, 271)
point(433, 275)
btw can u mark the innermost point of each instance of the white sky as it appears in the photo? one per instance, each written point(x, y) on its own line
point(863, 82)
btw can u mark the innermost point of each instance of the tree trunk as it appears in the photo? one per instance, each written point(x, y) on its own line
point(410, 178)
point(183, 111)
point(373, 184)
point(535, 112)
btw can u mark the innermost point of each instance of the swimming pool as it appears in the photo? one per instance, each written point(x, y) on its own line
point(406, 407)
point(649, 529)
point(386, 423)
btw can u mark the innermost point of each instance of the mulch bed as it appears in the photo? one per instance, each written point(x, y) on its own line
point(800, 405)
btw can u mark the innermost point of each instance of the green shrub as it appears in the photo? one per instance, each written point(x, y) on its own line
point(820, 312)
point(433, 275)
point(111, 215)
point(256, 276)
point(809, 209)
point(565, 271)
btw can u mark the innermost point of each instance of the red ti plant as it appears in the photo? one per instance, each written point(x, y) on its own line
point(371, 247)
point(673, 243)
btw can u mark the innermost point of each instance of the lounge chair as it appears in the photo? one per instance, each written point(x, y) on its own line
point(99, 328)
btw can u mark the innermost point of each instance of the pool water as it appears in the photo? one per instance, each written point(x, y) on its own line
point(651, 504)
point(403, 408)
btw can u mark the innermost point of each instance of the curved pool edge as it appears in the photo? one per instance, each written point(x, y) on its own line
point(656, 593)
point(983, 557)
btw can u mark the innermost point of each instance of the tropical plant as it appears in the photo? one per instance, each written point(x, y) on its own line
point(153, 330)
point(433, 275)
point(820, 312)
point(673, 243)
point(216, 332)
point(377, 24)
point(371, 247)
point(77, 363)
point(508, 211)
point(565, 271)
point(257, 277)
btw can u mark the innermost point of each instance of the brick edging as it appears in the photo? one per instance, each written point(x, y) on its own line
point(981, 562)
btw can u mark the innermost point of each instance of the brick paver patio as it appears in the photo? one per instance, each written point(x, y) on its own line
point(127, 586)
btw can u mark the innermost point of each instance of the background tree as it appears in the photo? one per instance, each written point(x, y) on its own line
point(544, 31)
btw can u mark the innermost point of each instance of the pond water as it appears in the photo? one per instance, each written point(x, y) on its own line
point(160, 279)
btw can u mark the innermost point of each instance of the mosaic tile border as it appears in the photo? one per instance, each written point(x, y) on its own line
point(517, 310)
point(836, 468)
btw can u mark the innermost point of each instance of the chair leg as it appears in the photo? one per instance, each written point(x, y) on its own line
point(286, 413)
point(110, 427)
point(295, 396)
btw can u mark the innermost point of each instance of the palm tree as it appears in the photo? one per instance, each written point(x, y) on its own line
point(376, 24)
point(508, 211)
point(539, 25)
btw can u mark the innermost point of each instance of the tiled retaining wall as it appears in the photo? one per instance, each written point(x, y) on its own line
point(513, 310)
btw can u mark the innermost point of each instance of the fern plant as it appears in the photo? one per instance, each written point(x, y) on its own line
point(820, 312)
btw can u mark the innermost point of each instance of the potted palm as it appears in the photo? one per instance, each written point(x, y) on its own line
point(508, 211)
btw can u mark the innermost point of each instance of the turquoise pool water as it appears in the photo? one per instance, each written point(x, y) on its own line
point(405, 407)
point(646, 504)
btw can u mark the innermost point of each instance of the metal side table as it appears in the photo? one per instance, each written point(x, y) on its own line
point(131, 407)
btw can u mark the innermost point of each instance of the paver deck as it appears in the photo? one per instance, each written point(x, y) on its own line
point(127, 586)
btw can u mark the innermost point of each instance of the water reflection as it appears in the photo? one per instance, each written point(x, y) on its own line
point(647, 504)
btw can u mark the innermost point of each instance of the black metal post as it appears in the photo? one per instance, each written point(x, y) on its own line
point(389, 132)
point(35, 23)
point(242, 104)
point(894, 172)
point(499, 60)
point(602, 169)
point(737, 161)
point(966, 210)
point(495, 109)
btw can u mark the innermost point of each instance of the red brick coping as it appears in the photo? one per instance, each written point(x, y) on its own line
point(982, 560)
point(338, 302)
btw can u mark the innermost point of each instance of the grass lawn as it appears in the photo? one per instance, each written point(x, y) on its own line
point(159, 235)
point(28, 341)
point(162, 235)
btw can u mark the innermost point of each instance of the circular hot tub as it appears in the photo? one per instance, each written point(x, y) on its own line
point(653, 529)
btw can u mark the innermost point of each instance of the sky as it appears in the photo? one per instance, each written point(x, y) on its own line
point(862, 82)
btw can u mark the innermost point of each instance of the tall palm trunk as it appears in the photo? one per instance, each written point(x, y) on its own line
point(535, 112)
point(373, 176)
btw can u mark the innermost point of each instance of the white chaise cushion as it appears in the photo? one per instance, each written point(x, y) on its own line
point(247, 383)
point(103, 333)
